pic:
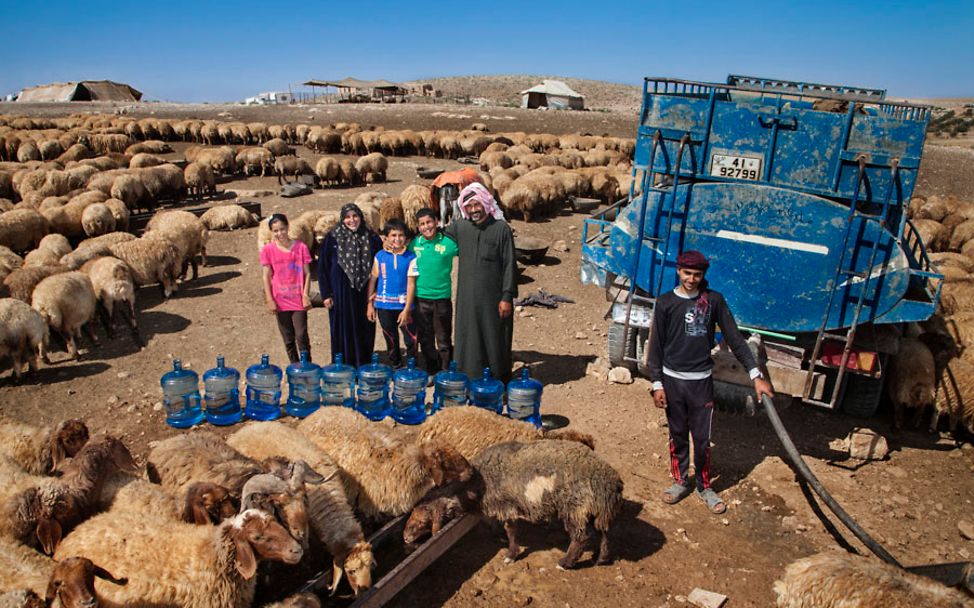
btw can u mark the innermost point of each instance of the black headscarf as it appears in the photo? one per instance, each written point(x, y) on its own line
point(354, 251)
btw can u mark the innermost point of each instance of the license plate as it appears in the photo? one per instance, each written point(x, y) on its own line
point(735, 167)
point(640, 316)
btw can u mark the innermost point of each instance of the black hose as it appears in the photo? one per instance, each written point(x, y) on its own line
point(816, 485)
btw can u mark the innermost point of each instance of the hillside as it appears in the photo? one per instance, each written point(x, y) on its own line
point(505, 90)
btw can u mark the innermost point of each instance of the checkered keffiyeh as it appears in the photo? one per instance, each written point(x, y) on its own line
point(354, 252)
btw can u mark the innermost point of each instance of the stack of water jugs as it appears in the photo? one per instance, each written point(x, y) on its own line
point(374, 389)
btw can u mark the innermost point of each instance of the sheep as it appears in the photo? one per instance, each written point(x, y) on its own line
point(22, 229)
point(39, 451)
point(97, 219)
point(325, 224)
point(228, 217)
point(544, 480)
point(186, 231)
point(291, 165)
point(328, 171)
point(162, 182)
point(200, 180)
point(152, 259)
point(23, 335)
point(115, 291)
point(300, 229)
point(372, 167)
point(55, 243)
point(328, 506)
point(67, 303)
point(9, 261)
point(957, 296)
point(414, 198)
point(129, 189)
point(298, 600)
point(219, 160)
point(955, 395)
point(436, 509)
point(842, 580)
point(120, 213)
point(390, 209)
point(149, 147)
point(348, 173)
point(206, 566)
point(470, 429)
point(387, 473)
point(21, 282)
point(180, 461)
point(912, 380)
point(69, 582)
point(144, 159)
point(932, 234)
point(255, 160)
point(202, 503)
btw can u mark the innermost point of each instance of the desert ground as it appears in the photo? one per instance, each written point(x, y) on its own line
point(912, 502)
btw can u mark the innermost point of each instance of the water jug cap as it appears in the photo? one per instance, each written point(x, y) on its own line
point(411, 363)
point(486, 373)
point(305, 356)
point(219, 361)
point(177, 365)
point(339, 359)
point(265, 359)
point(525, 373)
point(375, 358)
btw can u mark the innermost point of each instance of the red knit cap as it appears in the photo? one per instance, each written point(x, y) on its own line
point(693, 260)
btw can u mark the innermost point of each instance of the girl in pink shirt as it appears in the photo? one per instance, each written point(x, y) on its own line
point(287, 282)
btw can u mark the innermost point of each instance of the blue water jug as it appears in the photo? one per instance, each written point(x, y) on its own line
point(487, 392)
point(263, 390)
point(304, 387)
point(524, 399)
point(409, 394)
point(373, 389)
point(222, 396)
point(450, 388)
point(338, 383)
point(181, 397)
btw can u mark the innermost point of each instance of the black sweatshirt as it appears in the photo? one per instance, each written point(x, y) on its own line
point(683, 334)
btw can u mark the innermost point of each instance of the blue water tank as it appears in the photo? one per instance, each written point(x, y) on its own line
point(263, 390)
point(409, 394)
point(524, 399)
point(338, 383)
point(222, 397)
point(450, 388)
point(373, 389)
point(181, 397)
point(487, 392)
point(304, 387)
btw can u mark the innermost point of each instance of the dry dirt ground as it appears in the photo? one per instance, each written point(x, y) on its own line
point(912, 502)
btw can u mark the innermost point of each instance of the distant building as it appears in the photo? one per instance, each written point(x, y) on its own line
point(271, 98)
point(83, 90)
point(553, 94)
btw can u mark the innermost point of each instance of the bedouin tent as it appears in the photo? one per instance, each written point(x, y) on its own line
point(85, 90)
point(553, 94)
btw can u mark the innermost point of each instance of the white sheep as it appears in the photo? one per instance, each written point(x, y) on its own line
point(22, 229)
point(200, 180)
point(115, 291)
point(39, 450)
point(120, 212)
point(23, 335)
point(97, 219)
point(414, 198)
point(152, 259)
point(842, 580)
point(186, 231)
point(372, 167)
point(67, 303)
point(331, 514)
point(202, 566)
point(228, 217)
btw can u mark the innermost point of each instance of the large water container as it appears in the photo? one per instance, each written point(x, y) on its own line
point(524, 399)
point(222, 397)
point(181, 397)
point(409, 394)
point(450, 388)
point(338, 383)
point(263, 390)
point(487, 392)
point(304, 387)
point(373, 389)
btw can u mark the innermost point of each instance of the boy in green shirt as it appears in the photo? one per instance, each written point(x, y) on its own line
point(434, 309)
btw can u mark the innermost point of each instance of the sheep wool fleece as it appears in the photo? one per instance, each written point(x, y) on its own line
point(485, 277)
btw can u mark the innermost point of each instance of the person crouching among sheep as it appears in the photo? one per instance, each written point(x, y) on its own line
point(680, 368)
point(392, 289)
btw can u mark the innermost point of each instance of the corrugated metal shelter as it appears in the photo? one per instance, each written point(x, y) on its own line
point(553, 94)
point(351, 88)
point(85, 90)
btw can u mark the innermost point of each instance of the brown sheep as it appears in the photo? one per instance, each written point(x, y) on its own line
point(291, 166)
point(912, 379)
point(372, 167)
point(40, 451)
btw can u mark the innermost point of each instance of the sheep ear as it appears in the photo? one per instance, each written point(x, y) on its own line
point(58, 453)
point(245, 558)
point(106, 575)
point(48, 532)
point(428, 460)
point(201, 516)
point(123, 459)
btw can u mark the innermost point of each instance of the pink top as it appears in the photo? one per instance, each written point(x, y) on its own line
point(287, 273)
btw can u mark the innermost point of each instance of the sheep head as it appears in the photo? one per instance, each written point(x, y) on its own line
point(358, 567)
point(255, 533)
point(419, 525)
point(207, 503)
point(444, 464)
point(52, 509)
point(68, 438)
point(72, 582)
point(272, 494)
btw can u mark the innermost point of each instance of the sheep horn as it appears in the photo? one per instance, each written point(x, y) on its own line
point(302, 473)
point(263, 483)
point(336, 577)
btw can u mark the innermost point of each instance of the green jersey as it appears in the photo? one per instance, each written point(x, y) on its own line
point(434, 261)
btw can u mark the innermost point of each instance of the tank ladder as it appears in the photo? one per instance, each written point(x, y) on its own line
point(851, 275)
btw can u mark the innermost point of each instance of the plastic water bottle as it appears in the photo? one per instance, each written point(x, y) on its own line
point(222, 397)
point(263, 390)
point(181, 397)
point(450, 388)
point(373, 389)
point(487, 392)
point(338, 383)
point(304, 387)
point(409, 394)
point(524, 399)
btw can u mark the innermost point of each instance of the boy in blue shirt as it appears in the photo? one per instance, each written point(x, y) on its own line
point(392, 289)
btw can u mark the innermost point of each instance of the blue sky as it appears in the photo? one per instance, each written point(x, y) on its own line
point(221, 51)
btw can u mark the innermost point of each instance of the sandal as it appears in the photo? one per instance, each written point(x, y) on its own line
point(712, 500)
point(675, 493)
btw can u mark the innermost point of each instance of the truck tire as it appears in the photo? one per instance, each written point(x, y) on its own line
point(862, 395)
point(616, 341)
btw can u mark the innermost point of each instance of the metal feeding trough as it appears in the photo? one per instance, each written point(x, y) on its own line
point(530, 250)
point(583, 205)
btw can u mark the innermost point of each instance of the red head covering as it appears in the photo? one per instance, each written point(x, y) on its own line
point(693, 260)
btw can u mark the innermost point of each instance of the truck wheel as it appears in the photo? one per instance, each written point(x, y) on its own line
point(616, 339)
point(862, 395)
